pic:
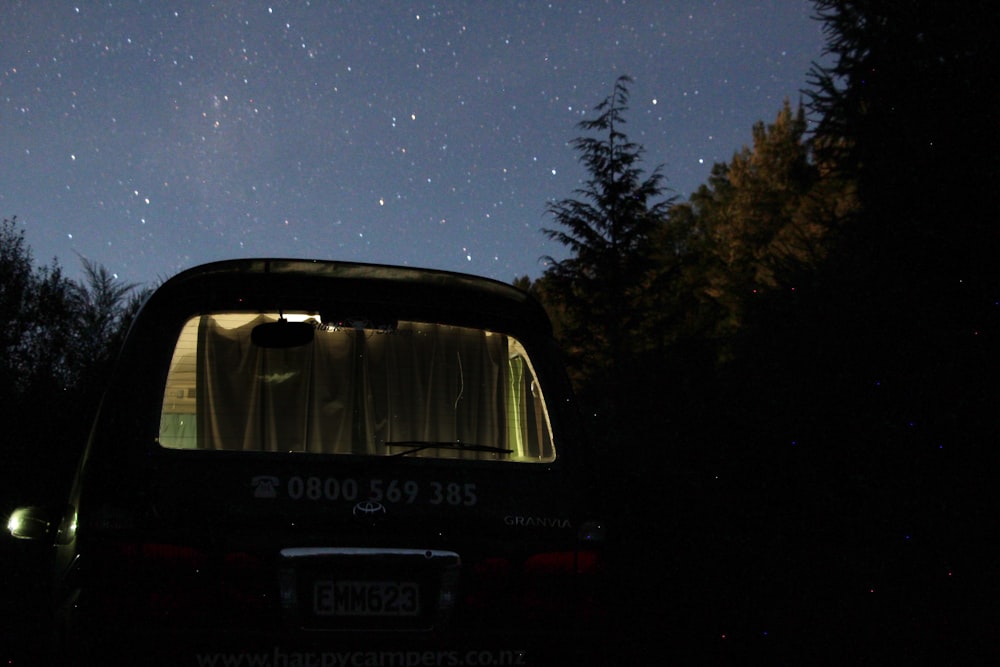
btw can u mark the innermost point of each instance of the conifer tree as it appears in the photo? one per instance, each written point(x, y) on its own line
point(608, 228)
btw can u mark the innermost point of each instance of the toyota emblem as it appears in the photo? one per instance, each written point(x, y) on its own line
point(368, 510)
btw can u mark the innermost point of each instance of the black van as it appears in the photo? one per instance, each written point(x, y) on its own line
point(323, 463)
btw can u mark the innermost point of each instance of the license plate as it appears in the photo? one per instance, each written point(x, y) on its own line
point(365, 598)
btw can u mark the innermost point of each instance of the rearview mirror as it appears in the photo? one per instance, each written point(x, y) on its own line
point(283, 334)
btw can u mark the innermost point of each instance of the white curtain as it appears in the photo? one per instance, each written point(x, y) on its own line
point(353, 390)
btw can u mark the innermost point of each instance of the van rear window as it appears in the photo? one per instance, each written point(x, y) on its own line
point(406, 389)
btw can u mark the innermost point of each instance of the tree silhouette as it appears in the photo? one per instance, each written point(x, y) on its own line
point(58, 339)
point(761, 224)
point(34, 326)
point(911, 323)
point(608, 228)
point(103, 309)
point(906, 110)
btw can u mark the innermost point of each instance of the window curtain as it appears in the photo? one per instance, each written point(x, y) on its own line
point(352, 390)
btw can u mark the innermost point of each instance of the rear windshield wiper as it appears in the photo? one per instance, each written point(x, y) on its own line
point(420, 445)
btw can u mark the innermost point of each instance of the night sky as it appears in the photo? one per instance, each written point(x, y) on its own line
point(150, 137)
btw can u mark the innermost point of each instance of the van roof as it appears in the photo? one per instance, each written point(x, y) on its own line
point(272, 283)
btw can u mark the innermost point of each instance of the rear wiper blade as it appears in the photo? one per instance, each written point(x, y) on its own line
point(420, 445)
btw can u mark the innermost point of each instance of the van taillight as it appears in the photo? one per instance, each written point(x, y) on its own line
point(175, 584)
point(563, 562)
point(555, 587)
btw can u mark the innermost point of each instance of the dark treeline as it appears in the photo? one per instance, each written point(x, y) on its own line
point(58, 339)
point(792, 375)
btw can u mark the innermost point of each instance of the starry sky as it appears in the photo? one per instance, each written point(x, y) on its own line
point(150, 137)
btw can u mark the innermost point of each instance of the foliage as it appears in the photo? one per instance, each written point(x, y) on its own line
point(664, 294)
point(608, 228)
point(33, 323)
point(907, 109)
point(859, 407)
point(58, 339)
point(103, 309)
point(759, 227)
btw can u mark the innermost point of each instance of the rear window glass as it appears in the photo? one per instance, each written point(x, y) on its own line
point(408, 389)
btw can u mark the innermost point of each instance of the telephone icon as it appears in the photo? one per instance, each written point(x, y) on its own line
point(265, 486)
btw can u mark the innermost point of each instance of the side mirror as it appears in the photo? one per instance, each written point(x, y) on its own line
point(37, 523)
point(283, 334)
point(30, 523)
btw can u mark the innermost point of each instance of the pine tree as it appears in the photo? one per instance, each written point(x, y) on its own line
point(608, 228)
point(907, 110)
